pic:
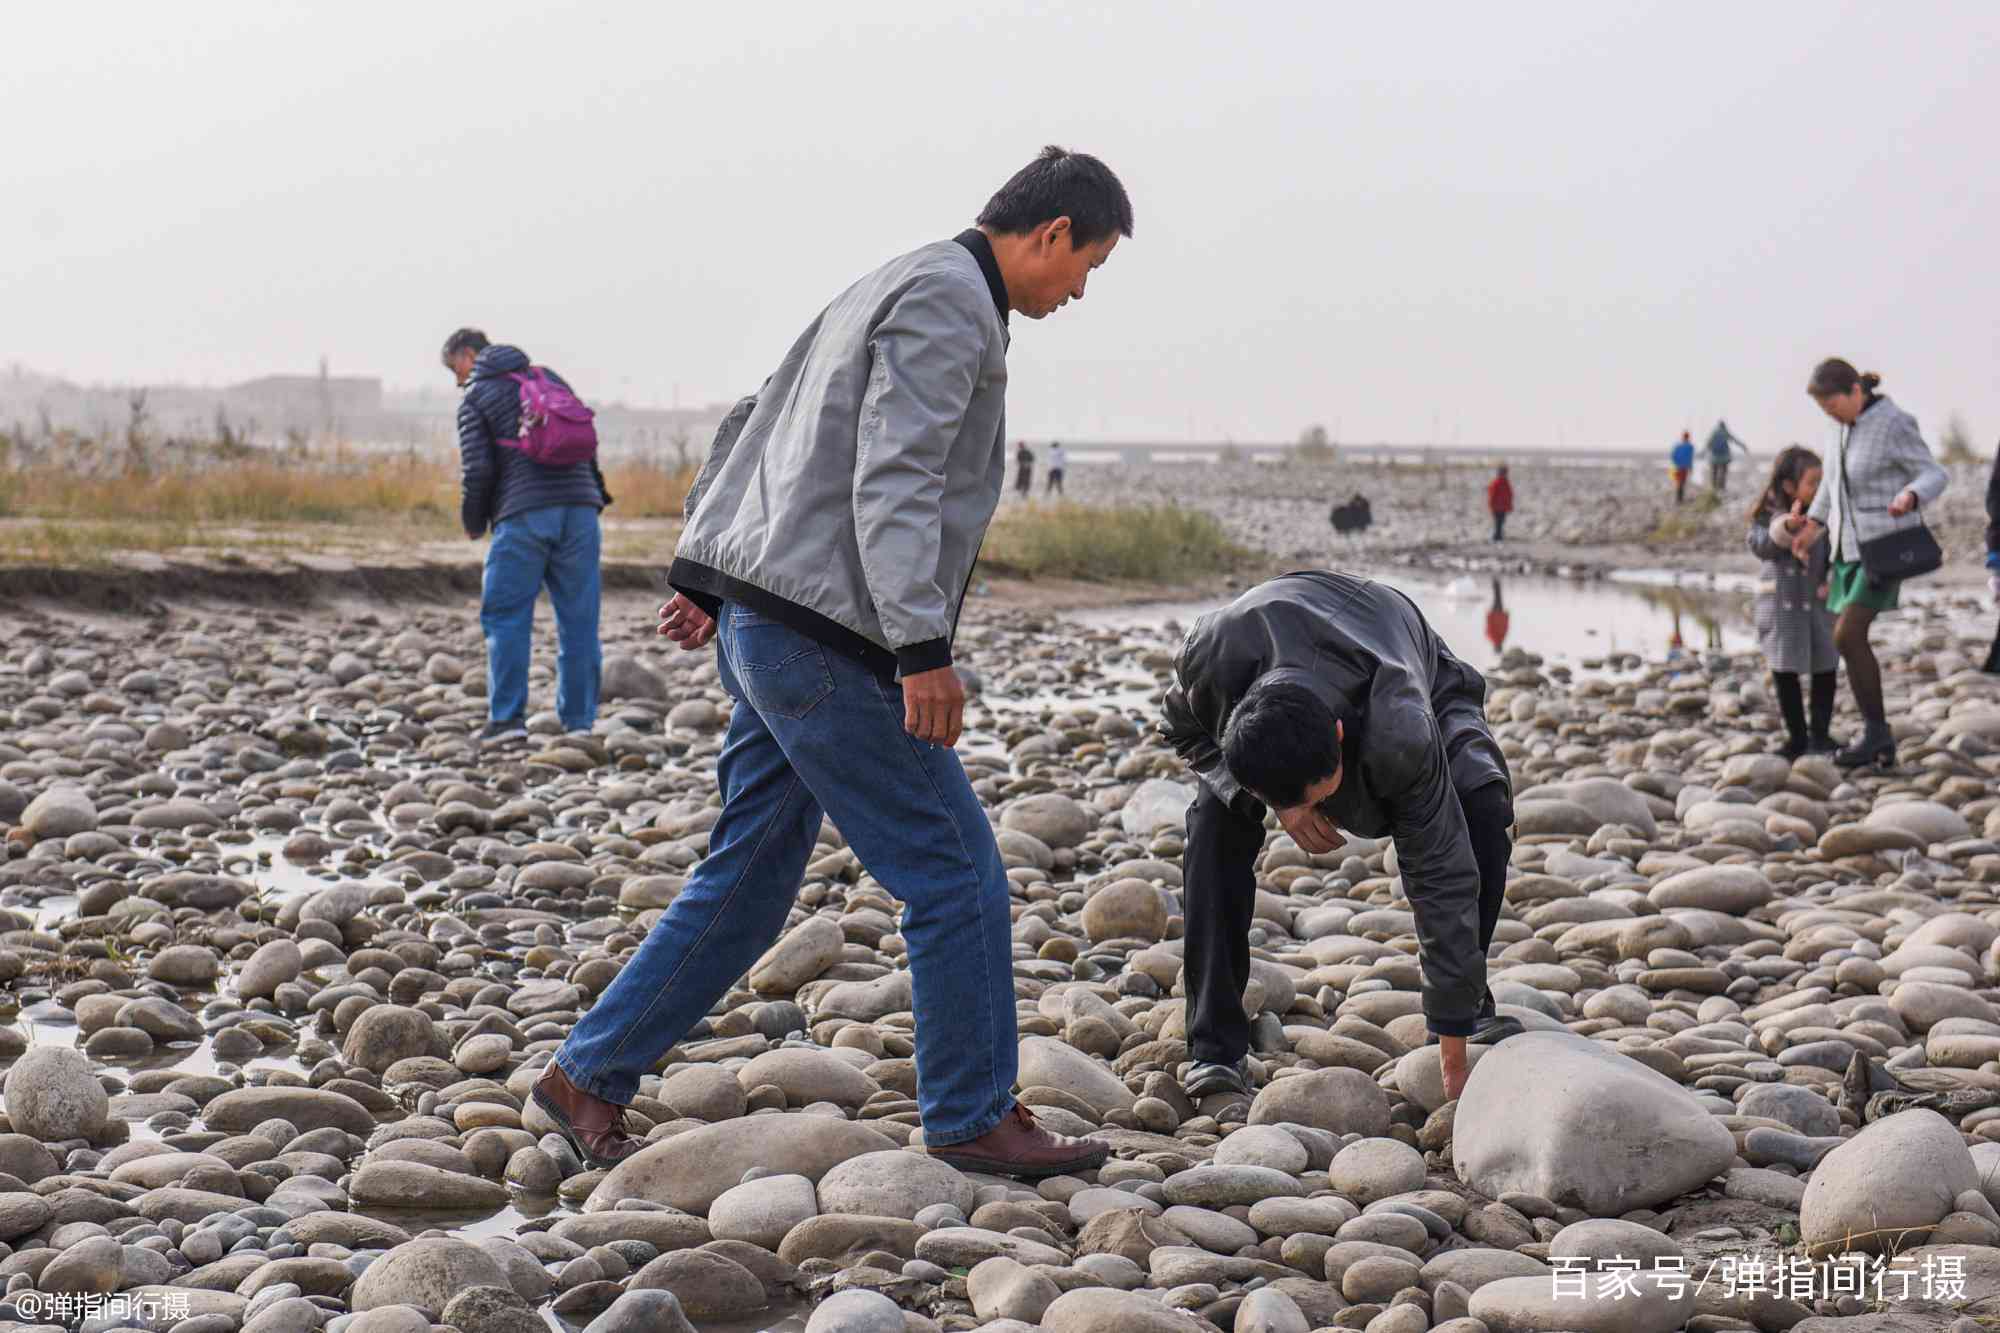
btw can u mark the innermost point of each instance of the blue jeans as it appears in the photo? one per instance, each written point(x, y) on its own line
point(556, 547)
point(816, 731)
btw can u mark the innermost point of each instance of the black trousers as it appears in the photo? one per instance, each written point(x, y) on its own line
point(1499, 526)
point(1219, 867)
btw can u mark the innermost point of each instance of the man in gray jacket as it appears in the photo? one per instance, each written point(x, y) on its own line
point(829, 540)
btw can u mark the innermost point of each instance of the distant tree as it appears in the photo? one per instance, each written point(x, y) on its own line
point(135, 424)
point(1956, 442)
point(1314, 446)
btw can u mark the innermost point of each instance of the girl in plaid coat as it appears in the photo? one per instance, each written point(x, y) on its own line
point(1793, 624)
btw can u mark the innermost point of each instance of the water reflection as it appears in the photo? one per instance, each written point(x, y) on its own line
point(1605, 626)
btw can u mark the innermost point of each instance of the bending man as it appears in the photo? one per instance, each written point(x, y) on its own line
point(1331, 700)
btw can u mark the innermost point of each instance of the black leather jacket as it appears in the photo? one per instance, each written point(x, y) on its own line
point(1416, 736)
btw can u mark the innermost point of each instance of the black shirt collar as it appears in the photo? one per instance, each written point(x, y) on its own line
point(975, 241)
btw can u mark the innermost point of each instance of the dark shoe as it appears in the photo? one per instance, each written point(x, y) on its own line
point(501, 733)
point(1206, 1077)
point(1020, 1148)
point(1492, 1030)
point(1865, 753)
point(593, 1126)
point(1793, 747)
point(1822, 744)
point(1992, 667)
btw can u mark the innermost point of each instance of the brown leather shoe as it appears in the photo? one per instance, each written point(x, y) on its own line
point(1019, 1147)
point(593, 1126)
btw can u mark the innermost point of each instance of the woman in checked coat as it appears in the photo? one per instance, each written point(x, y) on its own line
point(1793, 625)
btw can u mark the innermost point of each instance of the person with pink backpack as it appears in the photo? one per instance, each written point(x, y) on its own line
point(528, 470)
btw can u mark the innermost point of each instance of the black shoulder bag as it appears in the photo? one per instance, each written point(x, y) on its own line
point(1894, 556)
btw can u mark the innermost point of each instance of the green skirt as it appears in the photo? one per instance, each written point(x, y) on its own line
point(1848, 585)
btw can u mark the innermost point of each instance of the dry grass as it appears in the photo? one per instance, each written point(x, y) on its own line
point(100, 500)
point(1154, 543)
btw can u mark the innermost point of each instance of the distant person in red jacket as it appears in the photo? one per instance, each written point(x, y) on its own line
point(1500, 502)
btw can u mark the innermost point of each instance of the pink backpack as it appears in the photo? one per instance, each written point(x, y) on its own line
point(556, 429)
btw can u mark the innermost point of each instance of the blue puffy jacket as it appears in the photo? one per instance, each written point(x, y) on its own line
point(495, 482)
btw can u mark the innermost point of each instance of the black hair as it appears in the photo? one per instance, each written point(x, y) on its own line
point(1793, 462)
point(1280, 741)
point(1834, 376)
point(1059, 183)
point(464, 340)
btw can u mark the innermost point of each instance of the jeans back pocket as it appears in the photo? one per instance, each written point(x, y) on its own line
point(783, 672)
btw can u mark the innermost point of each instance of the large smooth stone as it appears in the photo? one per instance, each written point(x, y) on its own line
point(1576, 1304)
point(808, 1075)
point(1057, 820)
point(802, 953)
point(1731, 889)
point(690, 1171)
point(1049, 1063)
point(1341, 1101)
point(1611, 801)
point(1102, 1310)
point(1569, 1120)
point(1927, 820)
point(51, 1095)
point(307, 1109)
point(427, 1274)
point(1886, 1187)
point(894, 1184)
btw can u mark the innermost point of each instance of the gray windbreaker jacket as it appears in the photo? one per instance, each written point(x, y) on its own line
point(849, 496)
point(1416, 736)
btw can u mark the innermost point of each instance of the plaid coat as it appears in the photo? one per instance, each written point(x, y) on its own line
point(1880, 456)
point(1793, 625)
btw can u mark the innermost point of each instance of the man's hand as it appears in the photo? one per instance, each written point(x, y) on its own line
point(1310, 829)
point(1902, 504)
point(1452, 1059)
point(686, 624)
point(1802, 542)
point(934, 706)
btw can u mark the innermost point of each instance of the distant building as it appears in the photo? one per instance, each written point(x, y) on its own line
point(314, 398)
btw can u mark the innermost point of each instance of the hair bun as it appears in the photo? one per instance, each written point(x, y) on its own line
point(1870, 381)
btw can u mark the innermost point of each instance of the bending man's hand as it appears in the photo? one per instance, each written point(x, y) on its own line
point(1452, 1059)
point(1310, 829)
point(934, 706)
point(686, 624)
point(1902, 504)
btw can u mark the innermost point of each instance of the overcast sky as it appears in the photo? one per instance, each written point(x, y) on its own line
point(1581, 223)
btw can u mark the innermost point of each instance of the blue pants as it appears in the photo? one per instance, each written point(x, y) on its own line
point(816, 731)
point(556, 547)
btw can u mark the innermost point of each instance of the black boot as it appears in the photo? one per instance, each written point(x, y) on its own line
point(1992, 667)
point(1821, 740)
point(1785, 684)
point(1877, 746)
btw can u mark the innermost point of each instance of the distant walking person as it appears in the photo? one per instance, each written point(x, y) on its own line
point(1793, 625)
point(1682, 466)
point(1057, 461)
point(1992, 666)
point(1500, 501)
point(829, 539)
point(544, 520)
point(1024, 469)
point(1873, 486)
point(1720, 442)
